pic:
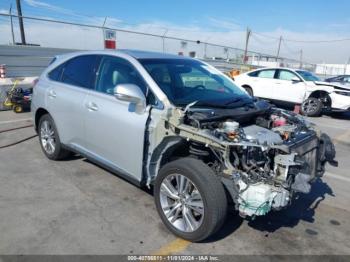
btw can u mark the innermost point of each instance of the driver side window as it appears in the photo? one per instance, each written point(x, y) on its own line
point(286, 75)
point(114, 71)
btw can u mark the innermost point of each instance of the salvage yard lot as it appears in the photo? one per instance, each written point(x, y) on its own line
point(76, 207)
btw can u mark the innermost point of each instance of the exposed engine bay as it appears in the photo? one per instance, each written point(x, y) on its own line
point(263, 155)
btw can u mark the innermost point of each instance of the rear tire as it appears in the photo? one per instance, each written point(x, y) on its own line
point(311, 107)
point(197, 211)
point(49, 139)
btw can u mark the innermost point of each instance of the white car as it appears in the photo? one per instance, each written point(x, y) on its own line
point(295, 87)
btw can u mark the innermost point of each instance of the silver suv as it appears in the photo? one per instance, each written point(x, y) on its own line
point(182, 127)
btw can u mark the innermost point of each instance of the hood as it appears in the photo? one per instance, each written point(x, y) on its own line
point(334, 85)
point(240, 114)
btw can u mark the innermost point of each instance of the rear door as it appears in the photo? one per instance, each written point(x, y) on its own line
point(285, 89)
point(66, 94)
point(114, 131)
point(263, 82)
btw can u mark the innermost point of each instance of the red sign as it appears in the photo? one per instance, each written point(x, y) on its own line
point(110, 44)
point(110, 39)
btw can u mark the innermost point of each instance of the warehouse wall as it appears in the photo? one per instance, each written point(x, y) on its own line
point(24, 61)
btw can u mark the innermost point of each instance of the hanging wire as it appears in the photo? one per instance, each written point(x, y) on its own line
point(304, 41)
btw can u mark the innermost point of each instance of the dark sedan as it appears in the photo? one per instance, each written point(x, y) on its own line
point(341, 79)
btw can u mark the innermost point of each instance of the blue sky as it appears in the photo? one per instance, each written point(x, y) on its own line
point(296, 15)
point(218, 21)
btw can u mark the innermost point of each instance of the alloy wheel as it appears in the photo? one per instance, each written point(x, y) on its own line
point(181, 202)
point(309, 106)
point(47, 137)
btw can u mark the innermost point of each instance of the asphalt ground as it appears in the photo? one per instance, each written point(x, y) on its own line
point(76, 207)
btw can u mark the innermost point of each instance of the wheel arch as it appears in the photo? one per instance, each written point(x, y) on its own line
point(248, 86)
point(324, 95)
point(170, 148)
point(38, 114)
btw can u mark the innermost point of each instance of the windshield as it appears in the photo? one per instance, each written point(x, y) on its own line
point(185, 81)
point(308, 76)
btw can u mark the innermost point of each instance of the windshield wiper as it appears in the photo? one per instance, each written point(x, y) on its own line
point(249, 102)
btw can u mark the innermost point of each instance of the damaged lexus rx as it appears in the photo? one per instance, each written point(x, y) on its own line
point(182, 127)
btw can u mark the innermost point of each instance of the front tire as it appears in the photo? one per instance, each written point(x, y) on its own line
point(49, 139)
point(312, 107)
point(190, 199)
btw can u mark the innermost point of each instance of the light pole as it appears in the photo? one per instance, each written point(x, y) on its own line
point(20, 19)
point(12, 33)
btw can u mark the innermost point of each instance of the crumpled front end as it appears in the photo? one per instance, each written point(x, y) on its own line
point(262, 160)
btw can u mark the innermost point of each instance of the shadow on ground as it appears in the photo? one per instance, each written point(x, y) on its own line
point(339, 115)
point(302, 208)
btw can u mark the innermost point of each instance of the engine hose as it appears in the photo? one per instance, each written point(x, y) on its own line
point(244, 163)
point(236, 161)
point(197, 149)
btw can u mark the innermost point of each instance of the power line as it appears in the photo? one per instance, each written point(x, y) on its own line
point(303, 41)
point(291, 50)
point(258, 39)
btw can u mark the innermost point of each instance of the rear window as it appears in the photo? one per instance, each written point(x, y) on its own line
point(270, 73)
point(56, 73)
point(80, 71)
point(253, 74)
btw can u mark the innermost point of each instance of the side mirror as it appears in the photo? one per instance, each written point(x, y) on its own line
point(295, 79)
point(131, 93)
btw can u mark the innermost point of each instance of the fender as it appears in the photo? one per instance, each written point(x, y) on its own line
point(164, 149)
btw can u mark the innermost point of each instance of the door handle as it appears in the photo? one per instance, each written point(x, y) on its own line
point(92, 106)
point(52, 94)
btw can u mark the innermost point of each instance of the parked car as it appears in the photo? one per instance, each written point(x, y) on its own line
point(341, 79)
point(295, 87)
point(182, 127)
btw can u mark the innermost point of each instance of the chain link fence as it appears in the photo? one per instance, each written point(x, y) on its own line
point(63, 34)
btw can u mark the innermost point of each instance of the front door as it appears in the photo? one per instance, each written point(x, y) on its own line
point(114, 131)
point(287, 89)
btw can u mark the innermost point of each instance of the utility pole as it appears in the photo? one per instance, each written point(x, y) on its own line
point(20, 18)
point(346, 66)
point(104, 32)
point(301, 58)
point(249, 32)
point(163, 39)
point(13, 34)
point(279, 48)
